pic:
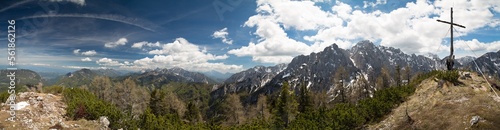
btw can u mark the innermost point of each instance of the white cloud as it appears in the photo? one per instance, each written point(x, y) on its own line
point(79, 2)
point(128, 63)
point(412, 28)
point(40, 64)
point(182, 53)
point(222, 34)
point(86, 53)
point(139, 45)
point(89, 53)
point(476, 45)
point(108, 62)
point(83, 67)
point(367, 4)
point(86, 59)
point(121, 41)
point(76, 51)
point(273, 18)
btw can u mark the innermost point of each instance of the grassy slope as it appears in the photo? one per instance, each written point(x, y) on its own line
point(449, 107)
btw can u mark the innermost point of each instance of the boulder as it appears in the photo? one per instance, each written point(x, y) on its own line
point(103, 120)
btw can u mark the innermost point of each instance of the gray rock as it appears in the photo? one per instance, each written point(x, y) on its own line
point(103, 120)
point(39, 98)
point(474, 120)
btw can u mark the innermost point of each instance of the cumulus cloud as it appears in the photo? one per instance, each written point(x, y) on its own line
point(140, 45)
point(222, 34)
point(108, 62)
point(367, 4)
point(476, 45)
point(85, 53)
point(273, 18)
point(76, 51)
point(182, 53)
point(89, 53)
point(120, 42)
point(86, 59)
point(412, 28)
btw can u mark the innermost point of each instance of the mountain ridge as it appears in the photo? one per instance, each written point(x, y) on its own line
point(364, 61)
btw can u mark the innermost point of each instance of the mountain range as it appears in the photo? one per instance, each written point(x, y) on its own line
point(363, 64)
point(159, 77)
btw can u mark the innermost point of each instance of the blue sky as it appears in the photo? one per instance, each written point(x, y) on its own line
point(233, 35)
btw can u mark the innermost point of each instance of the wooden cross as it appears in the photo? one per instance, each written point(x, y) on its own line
point(451, 58)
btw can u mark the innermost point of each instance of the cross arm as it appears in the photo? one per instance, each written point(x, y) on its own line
point(451, 23)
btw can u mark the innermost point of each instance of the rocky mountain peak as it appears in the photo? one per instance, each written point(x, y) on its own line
point(365, 44)
point(248, 81)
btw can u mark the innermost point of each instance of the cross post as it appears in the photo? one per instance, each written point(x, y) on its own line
point(450, 61)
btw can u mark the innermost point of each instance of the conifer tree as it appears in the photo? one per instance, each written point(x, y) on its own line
point(340, 79)
point(407, 73)
point(305, 102)
point(397, 75)
point(192, 113)
point(286, 107)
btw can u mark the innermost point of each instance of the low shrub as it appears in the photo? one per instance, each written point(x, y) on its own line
point(53, 89)
point(83, 104)
point(450, 76)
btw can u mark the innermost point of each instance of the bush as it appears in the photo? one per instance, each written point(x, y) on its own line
point(4, 96)
point(83, 104)
point(451, 76)
point(53, 89)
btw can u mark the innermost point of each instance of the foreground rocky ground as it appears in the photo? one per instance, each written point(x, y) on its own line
point(442, 105)
point(43, 111)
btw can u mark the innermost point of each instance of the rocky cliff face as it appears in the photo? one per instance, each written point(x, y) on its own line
point(363, 63)
point(248, 81)
point(316, 70)
point(254, 78)
point(488, 63)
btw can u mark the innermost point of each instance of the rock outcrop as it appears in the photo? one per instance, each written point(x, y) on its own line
point(40, 111)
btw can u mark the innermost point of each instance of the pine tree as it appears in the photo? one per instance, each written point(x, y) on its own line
point(193, 113)
point(407, 73)
point(397, 75)
point(340, 79)
point(286, 107)
point(155, 102)
point(305, 102)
